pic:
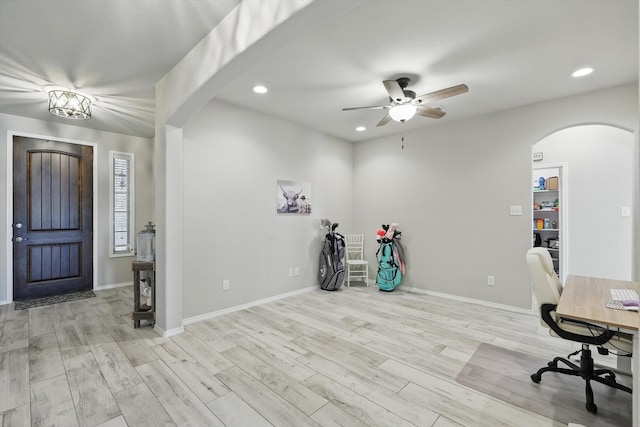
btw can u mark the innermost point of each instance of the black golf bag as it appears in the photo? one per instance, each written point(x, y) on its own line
point(331, 271)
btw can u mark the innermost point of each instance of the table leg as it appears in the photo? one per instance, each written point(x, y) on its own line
point(136, 296)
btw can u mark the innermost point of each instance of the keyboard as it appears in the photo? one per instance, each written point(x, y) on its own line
point(623, 294)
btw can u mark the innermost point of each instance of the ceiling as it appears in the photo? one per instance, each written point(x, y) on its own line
point(113, 50)
point(509, 52)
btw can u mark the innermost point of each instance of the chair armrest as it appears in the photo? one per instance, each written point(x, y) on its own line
point(605, 336)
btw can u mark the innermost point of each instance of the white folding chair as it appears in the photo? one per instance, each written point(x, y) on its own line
point(357, 267)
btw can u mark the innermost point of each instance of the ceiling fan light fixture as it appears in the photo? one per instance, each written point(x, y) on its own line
point(69, 104)
point(402, 112)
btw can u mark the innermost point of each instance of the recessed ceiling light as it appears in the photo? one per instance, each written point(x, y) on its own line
point(260, 89)
point(361, 128)
point(582, 72)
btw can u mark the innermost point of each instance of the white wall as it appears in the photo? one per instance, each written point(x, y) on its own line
point(600, 171)
point(452, 186)
point(110, 270)
point(232, 158)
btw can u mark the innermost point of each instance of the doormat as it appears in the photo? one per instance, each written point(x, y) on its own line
point(506, 375)
point(55, 299)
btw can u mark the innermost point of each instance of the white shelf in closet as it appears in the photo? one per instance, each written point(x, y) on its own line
point(548, 206)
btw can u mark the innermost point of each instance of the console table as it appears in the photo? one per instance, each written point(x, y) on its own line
point(143, 312)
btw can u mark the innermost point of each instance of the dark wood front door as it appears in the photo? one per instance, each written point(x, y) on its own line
point(52, 218)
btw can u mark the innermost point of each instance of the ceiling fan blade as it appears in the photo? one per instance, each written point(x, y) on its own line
point(386, 119)
point(434, 113)
point(377, 107)
point(442, 94)
point(394, 90)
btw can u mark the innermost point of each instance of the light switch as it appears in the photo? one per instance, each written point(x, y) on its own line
point(516, 210)
point(625, 211)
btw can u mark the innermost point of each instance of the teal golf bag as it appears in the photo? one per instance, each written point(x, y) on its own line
point(390, 258)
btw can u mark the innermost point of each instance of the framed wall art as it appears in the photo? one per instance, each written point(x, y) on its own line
point(293, 197)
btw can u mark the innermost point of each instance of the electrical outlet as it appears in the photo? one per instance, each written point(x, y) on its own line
point(291, 272)
point(515, 210)
point(296, 271)
point(491, 281)
point(225, 285)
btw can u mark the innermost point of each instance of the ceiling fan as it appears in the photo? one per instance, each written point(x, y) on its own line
point(404, 104)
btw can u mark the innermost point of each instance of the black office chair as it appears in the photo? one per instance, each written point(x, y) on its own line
point(547, 289)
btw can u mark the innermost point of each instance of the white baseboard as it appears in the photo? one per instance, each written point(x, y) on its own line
point(247, 305)
point(5, 302)
point(113, 285)
point(169, 333)
point(471, 300)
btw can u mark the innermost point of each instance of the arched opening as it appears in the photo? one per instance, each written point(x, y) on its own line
point(596, 167)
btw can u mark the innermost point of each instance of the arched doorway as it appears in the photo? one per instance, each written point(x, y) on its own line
point(598, 187)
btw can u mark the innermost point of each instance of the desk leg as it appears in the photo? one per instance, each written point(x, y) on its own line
point(635, 368)
point(623, 364)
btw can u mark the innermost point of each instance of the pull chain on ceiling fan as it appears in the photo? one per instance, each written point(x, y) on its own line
point(404, 104)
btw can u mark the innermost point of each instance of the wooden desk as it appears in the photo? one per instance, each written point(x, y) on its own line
point(583, 298)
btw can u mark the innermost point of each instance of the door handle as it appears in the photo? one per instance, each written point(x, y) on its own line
point(19, 239)
point(18, 225)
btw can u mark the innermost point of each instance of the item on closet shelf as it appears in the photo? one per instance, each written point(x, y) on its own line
point(554, 225)
point(539, 224)
point(547, 224)
point(541, 183)
point(552, 183)
point(537, 240)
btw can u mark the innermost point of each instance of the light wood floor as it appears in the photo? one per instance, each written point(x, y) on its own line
point(358, 357)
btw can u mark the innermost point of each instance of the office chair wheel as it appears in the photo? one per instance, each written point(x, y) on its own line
point(591, 407)
point(536, 378)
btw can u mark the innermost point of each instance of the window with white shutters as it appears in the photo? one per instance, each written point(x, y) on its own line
point(122, 233)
